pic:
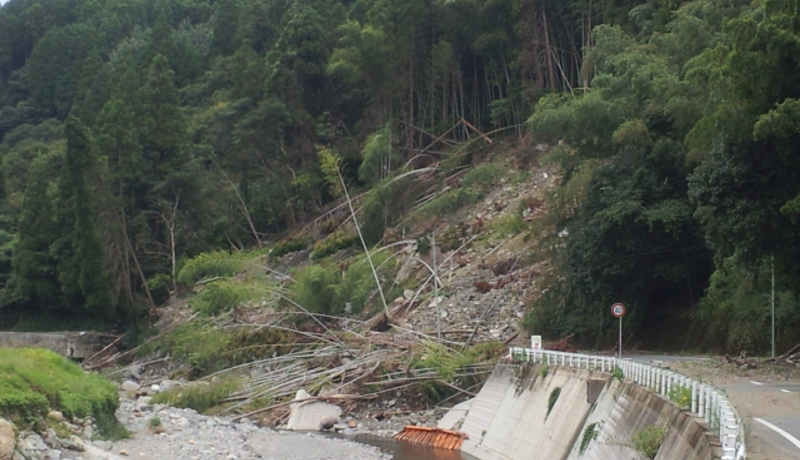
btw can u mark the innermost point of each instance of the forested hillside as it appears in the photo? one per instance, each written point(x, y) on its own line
point(136, 134)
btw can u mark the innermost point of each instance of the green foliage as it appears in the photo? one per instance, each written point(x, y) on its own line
point(509, 224)
point(205, 348)
point(330, 164)
point(377, 154)
point(160, 286)
point(448, 365)
point(736, 306)
point(293, 243)
point(552, 399)
point(37, 381)
point(647, 441)
point(154, 423)
point(483, 177)
point(446, 203)
point(210, 265)
point(222, 295)
point(682, 396)
point(544, 370)
point(618, 374)
point(333, 243)
point(200, 396)
point(589, 434)
point(325, 289)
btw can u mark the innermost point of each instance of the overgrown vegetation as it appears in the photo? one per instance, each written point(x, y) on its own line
point(223, 295)
point(324, 288)
point(552, 399)
point(682, 396)
point(139, 146)
point(201, 396)
point(451, 367)
point(589, 434)
point(203, 346)
point(647, 441)
point(36, 381)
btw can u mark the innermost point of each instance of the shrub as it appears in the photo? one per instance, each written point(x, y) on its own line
point(448, 364)
point(483, 177)
point(336, 241)
point(222, 295)
point(294, 243)
point(682, 396)
point(36, 381)
point(198, 396)
point(617, 373)
point(447, 203)
point(323, 288)
point(210, 264)
point(647, 441)
point(159, 286)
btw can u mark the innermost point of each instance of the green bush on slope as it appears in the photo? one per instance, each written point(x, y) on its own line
point(35, 381)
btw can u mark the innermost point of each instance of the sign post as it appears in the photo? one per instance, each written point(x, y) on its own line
point(618, 311)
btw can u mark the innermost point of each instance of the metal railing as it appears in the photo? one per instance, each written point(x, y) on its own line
point(707, 402)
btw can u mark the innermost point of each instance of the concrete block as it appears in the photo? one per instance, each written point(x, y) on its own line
point(593, 389)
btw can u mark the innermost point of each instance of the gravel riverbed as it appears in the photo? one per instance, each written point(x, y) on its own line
point(161, 432)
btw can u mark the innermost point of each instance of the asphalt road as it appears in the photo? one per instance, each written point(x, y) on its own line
point(772, 411)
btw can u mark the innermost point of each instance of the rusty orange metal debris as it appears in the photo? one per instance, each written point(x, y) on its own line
point(434, 437)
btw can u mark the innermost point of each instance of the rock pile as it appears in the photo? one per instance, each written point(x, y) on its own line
point(162, 432)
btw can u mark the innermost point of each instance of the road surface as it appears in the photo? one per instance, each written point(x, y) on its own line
point(769, 404)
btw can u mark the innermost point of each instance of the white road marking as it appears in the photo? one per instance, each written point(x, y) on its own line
point(785, 390)
point(756, 383)
point(786, 435)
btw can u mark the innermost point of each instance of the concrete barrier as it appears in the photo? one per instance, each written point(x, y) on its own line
point(543, 412)
point(587, 386)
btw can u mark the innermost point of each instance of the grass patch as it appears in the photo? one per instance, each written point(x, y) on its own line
point(552, 399)
point(198, 396)
point(35, 381)
point(509, 224)
point(589, 435)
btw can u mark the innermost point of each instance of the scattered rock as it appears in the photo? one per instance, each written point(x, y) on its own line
point(7, 440)
point(55, 415)
point(130, 385)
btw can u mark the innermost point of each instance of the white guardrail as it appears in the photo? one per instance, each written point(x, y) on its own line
point(707, 402)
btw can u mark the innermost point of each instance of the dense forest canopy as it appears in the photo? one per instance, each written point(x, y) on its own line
point(137, 133)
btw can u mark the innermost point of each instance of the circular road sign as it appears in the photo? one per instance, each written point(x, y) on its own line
point(618, 310)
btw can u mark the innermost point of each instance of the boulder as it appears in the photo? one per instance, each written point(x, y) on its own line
point(130, 385)
point(7, 440)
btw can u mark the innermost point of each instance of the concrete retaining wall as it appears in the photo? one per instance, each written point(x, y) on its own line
point(509, 418)
point(75, 345)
